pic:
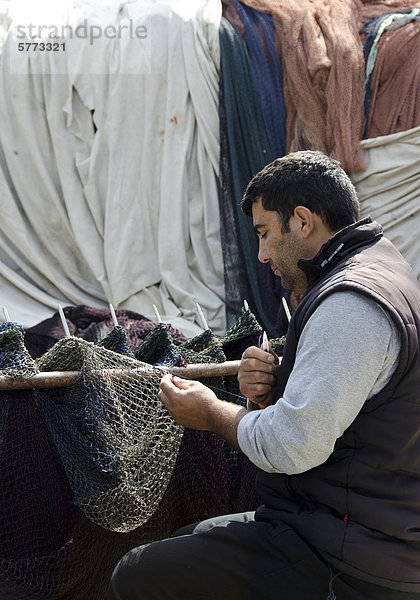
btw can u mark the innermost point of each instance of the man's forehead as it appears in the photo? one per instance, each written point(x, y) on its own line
point(257, 209)
point(262, 217)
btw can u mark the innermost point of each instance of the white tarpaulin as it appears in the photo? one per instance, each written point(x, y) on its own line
point(389, 189)
point(108, 180)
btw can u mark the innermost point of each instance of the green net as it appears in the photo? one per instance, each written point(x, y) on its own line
point(116, 340)
point(92, 470)
point(15, 360)
point(158, 348)
point(116, 441)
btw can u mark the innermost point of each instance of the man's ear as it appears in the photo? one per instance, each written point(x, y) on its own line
point(305, 221)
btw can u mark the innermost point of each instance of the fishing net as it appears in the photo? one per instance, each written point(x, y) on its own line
point(245, 150)
point(93, 470)
point(244, 332)
point(116, 340)
point(15, 360)
point(266, 63)
point(208, 471)
point(206, 344)
point(116, 441)
point(392, 101)
point(91, 324)
point(158, 348)
point(36, 504)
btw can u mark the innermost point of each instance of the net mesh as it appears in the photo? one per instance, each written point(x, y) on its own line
point(36, 503)
point(158, 347)
point(116, 340)
point(91, 324)
point(15, 360)
point(393, 92)
point(244, 332)
point(93, 470)
point(116, 441)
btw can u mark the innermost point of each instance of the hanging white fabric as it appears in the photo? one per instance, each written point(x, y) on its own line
point(389, 189)
point(109, 166)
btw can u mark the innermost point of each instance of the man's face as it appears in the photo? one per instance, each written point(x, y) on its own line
point(281, 250)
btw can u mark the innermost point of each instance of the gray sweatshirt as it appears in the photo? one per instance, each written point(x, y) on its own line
point(346, 354)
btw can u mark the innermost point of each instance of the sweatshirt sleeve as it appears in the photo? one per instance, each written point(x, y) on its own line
point(347, 352)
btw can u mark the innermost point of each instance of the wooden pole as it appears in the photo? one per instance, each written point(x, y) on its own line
point(58, 379)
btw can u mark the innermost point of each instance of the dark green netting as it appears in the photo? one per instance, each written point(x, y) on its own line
point(158, 348)
point(248, 151)
point(116, 340)
point(91, 324)
point(116, 441)
point(15, 360)
point(244, 332)
point(235, 276)
point(36, 504)
point(204, 345)
point(68, 466)
point(277, 345)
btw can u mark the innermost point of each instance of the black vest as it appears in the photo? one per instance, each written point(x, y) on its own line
point(361, 508)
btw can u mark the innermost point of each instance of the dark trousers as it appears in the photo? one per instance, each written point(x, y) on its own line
point(236, 558)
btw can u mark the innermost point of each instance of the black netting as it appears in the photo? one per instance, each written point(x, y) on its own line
point(116, 441)
point(95, 469)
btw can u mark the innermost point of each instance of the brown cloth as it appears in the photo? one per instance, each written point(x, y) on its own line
point(367, 9)
point(324, 71)
point(395, 82)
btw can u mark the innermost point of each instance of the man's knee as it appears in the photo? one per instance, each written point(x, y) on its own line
point(130, 579)
point(151, 572)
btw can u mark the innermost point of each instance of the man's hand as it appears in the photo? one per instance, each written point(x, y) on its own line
point(189, 402)
point(194, 405)
point(257, 376)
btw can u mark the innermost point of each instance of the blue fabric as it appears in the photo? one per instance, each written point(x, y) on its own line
point(268, 72)
point(249, 152)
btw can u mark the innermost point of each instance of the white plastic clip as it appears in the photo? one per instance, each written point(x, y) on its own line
point(63, 320)
point(286, 309)
point(158, 317)
point(201, 315)
point(265, 344)
point(114, 316)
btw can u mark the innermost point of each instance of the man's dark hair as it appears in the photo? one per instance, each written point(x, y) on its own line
point(305, 178)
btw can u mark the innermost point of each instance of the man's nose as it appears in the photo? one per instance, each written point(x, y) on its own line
point(263, 255)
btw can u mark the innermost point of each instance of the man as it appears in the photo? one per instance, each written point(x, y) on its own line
point(334, 429)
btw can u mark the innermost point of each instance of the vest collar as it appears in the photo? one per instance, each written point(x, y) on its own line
point(341, 244)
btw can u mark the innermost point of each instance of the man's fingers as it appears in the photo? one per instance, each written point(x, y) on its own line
point(169, 383)
point(253, 377)
point(247, 366)
point(182, 384)
point(166, 383)
point(256, 389)
point(253, 352)
point(162, 397)
point(272, 353)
